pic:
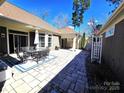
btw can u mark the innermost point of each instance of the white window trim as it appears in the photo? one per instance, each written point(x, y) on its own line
point(110, 32)
point(50, 41)
point(42, 42)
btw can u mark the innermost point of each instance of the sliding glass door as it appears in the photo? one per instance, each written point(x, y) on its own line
point(17, 41)
point(11, 43)
point(20, 41)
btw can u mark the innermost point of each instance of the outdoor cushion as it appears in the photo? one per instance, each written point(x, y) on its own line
point(5, 71)
point(3, 66)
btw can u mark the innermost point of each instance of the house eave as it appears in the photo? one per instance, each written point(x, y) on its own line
point(112, 17)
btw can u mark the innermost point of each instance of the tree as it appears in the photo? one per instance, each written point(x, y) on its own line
point(82, 42)
point(45, 14)
point(98, 26)
point(61, 20)
point(116, 3)
point(79, 7)
point(94, 26)
point(42, 13)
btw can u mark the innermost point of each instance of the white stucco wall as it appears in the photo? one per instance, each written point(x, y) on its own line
point(69, 42)
point(55, 42)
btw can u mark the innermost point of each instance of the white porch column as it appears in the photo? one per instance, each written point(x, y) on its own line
point(8, 51)
point(79, 42)
point(36, 40)
point(28, 39)
point(74, 43)
point(46, 40)
point(52, 45)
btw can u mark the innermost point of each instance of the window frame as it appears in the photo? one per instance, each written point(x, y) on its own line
point(41, 43)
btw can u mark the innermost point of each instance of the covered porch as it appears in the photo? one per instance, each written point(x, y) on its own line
point(15, 34)
point(70, 41)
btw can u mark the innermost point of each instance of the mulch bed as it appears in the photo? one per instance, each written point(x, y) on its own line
point(101, 79)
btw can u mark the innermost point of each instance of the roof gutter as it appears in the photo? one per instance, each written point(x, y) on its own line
point(31, 26)
point(116, 12)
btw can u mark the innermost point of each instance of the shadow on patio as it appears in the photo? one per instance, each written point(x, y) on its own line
point(72, 79)
point(82, 76)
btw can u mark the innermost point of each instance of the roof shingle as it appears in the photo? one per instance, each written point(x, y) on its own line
point(12, 12)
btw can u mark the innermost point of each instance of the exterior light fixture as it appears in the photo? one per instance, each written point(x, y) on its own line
point(32, 27)
point(29, 26)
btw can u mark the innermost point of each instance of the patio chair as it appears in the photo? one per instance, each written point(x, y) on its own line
point(45, 53)
point(32, 48)
point(1, 54)
point(22, 58)
point(23, 49)
point(25, 54)
point(37, 56)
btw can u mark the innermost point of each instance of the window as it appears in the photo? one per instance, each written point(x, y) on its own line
point(20, 41)
point(49, 41)
point(42, 40)
point(24, 41)
point(110, 32)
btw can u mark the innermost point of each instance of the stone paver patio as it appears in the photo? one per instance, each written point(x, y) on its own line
point(72, 78)
point(65, 73)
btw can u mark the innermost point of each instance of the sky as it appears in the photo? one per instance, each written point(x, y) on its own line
point(98, 10)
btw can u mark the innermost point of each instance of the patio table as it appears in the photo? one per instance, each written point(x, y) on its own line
point(35, 50)
point(37, 53)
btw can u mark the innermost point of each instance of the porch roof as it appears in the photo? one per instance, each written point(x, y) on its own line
point(10, 11)
point(116, 17)
point(67, 32)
